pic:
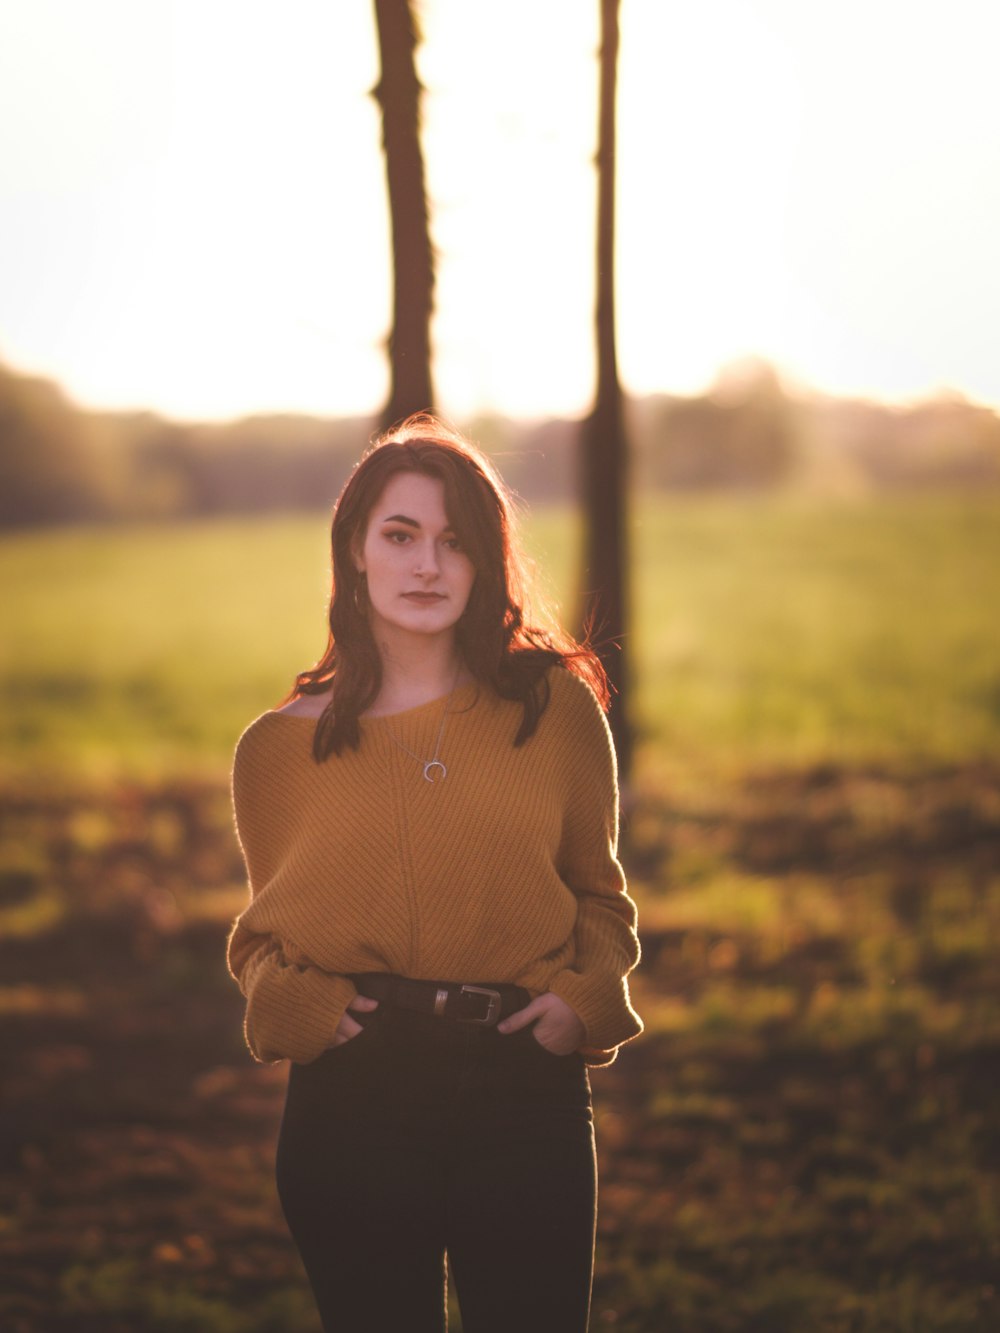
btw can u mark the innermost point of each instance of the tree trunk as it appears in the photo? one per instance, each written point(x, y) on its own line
point(605, 477)
point(398, 94)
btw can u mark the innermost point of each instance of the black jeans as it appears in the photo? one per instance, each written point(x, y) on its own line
point(420, 1137)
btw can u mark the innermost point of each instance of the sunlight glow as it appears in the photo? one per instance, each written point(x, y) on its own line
point(193, 216)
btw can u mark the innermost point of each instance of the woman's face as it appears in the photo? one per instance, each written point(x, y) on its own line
point(419, 578)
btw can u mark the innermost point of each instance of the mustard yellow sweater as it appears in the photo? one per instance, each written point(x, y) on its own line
point(505, 870)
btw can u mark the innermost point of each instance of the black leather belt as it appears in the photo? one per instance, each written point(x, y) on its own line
point(458, 1001)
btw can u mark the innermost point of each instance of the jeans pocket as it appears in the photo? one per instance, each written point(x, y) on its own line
point(369, 1026)
point(552, 1055)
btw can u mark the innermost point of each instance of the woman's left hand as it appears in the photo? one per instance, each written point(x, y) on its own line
point(557, 1026)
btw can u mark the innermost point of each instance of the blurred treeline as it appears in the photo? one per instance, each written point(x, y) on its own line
point(59, 463)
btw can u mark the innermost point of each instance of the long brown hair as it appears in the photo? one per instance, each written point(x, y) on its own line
point(500, 645)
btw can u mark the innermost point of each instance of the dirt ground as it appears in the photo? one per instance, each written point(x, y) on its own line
point(806, 1137)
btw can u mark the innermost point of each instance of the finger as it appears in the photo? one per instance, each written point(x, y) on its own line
point(522, 1017)
point(347, 1030)
point(363, 1004)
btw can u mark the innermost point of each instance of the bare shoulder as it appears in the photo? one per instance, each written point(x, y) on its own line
point(255, 752)
point(306, 705)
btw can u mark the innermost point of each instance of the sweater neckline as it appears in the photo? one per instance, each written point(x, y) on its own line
point(459, 700)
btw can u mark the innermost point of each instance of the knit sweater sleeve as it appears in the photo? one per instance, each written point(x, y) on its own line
point(293, 1007)
point(607, 946)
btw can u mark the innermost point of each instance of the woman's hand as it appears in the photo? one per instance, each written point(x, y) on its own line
point(348, 1028)
point(558, 1027)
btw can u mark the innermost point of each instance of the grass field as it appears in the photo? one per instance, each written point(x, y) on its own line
point(804, 1140)
point(774, 631)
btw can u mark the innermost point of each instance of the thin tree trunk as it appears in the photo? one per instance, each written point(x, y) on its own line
point(398, 94)
point(603, 436)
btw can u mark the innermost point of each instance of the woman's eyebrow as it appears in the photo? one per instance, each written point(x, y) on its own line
point(410, 522)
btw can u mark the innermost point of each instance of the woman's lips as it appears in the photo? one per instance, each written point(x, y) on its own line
point(424, 598)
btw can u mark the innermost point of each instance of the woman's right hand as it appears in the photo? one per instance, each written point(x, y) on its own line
point(348, 1028)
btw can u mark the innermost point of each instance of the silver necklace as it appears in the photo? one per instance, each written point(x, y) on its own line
point(430, 765)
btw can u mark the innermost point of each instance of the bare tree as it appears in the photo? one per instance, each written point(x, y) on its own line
point(604, 451)
point(398, 95)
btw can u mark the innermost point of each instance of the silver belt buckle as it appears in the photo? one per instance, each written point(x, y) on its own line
point(492, 1012)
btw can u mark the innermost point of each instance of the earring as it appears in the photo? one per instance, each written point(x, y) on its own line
point(360, 592)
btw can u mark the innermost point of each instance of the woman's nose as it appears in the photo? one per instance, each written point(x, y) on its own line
point(427, 559)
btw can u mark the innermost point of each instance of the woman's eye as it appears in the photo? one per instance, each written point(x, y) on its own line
point(453, 544)
point(398, 538)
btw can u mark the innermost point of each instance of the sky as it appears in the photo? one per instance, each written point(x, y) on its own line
point(193, 215)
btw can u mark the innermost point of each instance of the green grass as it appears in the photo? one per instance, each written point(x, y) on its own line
point(149, 649)
point(786, 631)
point(773, 631)
point(802, 1140)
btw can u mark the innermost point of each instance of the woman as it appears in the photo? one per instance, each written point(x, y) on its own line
point(439, 935)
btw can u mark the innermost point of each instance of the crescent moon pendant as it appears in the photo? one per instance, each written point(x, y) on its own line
point(429, 768)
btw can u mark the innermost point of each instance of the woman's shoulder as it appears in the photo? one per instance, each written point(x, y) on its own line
point(579, 729)
point(571, 692)
point(574, 710)
point(269, 734)
point(304, 705)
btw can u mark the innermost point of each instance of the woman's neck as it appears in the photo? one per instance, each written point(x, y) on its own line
point(413, 673)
